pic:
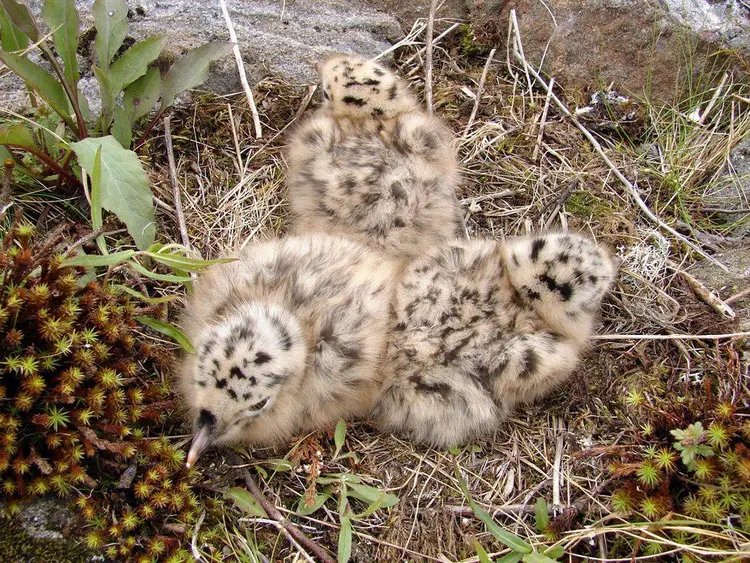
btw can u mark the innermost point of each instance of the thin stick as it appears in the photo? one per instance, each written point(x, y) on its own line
point(705, 294)
point(295, 532)
point(737, 296)
point(241, 70)
point(194, 542)
point(428, 55)
point(543, 121)
point(625, 182)
point(175, 184)
point(556, 474)
point(670, 336)
point(482, 80)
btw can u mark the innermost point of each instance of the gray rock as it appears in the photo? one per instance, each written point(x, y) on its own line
point(639, 45)
point(278, 38)
point(729, 191)
point(46, 529)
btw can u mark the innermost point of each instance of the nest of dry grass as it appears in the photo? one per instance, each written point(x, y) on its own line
point(526, 167)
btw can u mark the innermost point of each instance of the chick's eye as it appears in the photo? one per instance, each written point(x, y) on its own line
point(325, 95)
point(257, 406)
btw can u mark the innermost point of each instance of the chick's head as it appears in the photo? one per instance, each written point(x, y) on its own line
point(241, 365)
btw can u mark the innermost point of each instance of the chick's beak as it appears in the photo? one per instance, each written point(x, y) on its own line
point(201, 441)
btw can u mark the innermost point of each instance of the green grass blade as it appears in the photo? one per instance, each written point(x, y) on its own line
point(345, 540)
point(168, 330)
point(537, 558)
point(95, 261)
point(339, 435)
point(481, 553)
point(161, 277)
point(146, 298)
point(187, 264)
point(510, 540)
point(541, 514)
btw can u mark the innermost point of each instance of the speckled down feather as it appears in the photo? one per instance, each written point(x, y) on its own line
point(479, 327)
point(289, 338)
point(371, 165)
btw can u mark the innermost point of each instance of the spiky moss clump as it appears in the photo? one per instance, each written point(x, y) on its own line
point(79, 404)
point(690, 457)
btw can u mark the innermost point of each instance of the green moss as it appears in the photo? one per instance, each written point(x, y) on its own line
point(586, 204)
point(468, 44)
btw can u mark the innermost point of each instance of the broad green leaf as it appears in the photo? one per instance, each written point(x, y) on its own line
point(339, 436)
point(191, 70)
point(481, 553)
point(11, 37)
point(62, 17)
point(161, 277)
point(245, 501)
point(141, 95)
point(503, 536)
point(512, 557)
point(345, 540)
point(17, 135)
point(40, 81)
point(372, 495)
point(108, 95)
point(554, 552)
point(541, 514)
point(22, 18)
point(146, 298)
point(168, 330)
point(125, 187)
point(186, 264)
point(111, 22)
point(134, 62)
point(95, 260)
point(121, 128)
point(320, 500)
point(96, 199)
point(537, 558)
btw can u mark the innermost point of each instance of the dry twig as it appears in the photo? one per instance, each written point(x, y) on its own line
point(241, 70)
point(480, 87)
point(175, 183)
point(428, 55)
point(294, 532)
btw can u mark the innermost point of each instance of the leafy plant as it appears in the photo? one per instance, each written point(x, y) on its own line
point(695, 464)
point(690, 444)
point(82, 404)
point(520, 550)
point(129, 90)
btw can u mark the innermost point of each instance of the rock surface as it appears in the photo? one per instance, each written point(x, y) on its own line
point(278, 38)
point(45, 530)
point(639, 45)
